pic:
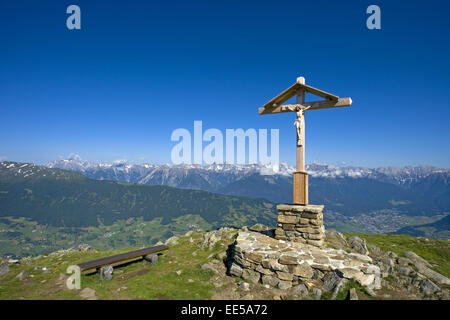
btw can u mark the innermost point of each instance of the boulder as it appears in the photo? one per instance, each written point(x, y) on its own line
point(405, 270)
point(359, 245)
point(251, 276)
point(339, 237)
point(404, 262)
point(375, 285)
point(263, 270)
point(244, 286)
point(303, 270)
point(350, 273)
point(331, 280)
point(284, 285)
point(286, 276)
point(387, 262)
point(275, 266)
point(288, 259)
point(416, 259)
point(423, 267)
point(235, 270)
point(270, 280)
point(300, 290)
point(360, 257)
point(319, 259)
point(439, 278)
point(254, 256)
point(427, 287)
point(366, 279)
point(287, 219)
point(210, 239)
point(172, 241)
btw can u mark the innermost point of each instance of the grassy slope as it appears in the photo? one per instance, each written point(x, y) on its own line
point(435, 251)
point(161, 282)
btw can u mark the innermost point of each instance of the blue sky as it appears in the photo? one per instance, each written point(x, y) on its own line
point(137, 70)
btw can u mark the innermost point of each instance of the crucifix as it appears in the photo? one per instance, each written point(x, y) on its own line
point(275, 105)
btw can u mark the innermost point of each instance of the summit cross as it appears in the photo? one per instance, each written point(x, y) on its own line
point(299, 88)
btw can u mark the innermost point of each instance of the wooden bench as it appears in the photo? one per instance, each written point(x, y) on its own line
point(120, 258)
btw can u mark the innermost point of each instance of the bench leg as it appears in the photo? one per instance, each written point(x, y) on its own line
point(106, 272)
point(151, 258)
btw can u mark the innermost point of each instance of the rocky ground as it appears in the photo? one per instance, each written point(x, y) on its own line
point(345, 268)
point(198, 265)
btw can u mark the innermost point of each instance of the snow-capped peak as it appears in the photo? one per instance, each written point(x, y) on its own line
point(121, 170)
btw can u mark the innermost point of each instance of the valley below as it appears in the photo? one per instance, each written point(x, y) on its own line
point(114, 206)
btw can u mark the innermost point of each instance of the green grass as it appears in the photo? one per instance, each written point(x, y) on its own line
point(160, 282)
point(435, 251)
point(131, 281)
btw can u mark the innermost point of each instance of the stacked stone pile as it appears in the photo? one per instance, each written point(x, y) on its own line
point(283, 264)
point(301, 224)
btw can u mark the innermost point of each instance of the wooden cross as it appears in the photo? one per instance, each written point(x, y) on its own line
point(275, 106)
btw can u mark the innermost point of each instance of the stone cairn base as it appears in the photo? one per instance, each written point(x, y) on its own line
point(258, 258)
point(300, 223)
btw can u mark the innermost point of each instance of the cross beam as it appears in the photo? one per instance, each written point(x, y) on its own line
point(298, 86)
point(275, 106)
point(313, 105)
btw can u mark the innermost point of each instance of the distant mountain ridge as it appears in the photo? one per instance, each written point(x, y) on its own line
point(356, 199)
point(61, 198)
point(222, 174)
point(189, 176)
point(422, 190)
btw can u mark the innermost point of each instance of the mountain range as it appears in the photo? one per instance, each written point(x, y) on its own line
point(214, 177)
point(64, 198)
point(44, 209)
point(349, 191)
point(76, 193)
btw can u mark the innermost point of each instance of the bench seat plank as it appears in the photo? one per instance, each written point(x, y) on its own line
point(120, 257)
